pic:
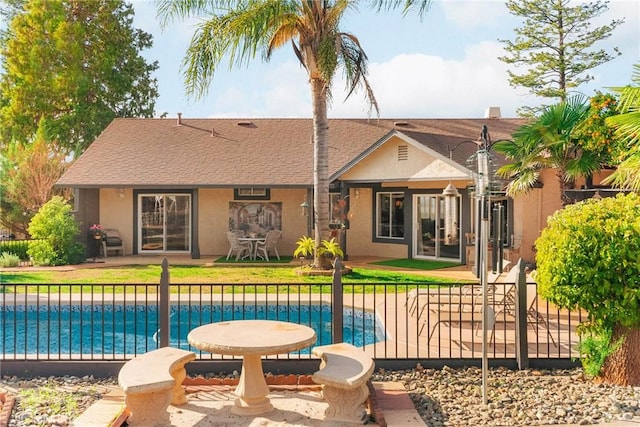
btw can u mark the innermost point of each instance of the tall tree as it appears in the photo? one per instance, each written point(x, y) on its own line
point(71, 67)
point(554, 45)
point(627, 128)
point(549, 142)
point(238, 30)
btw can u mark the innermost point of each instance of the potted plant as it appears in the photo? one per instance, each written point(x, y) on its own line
point(97, 231)
point(327, 251)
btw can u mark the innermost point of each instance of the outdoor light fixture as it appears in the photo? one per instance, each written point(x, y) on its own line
point(305, 208)
point(450, 194)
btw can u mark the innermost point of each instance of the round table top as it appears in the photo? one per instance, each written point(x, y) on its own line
point(246, 337)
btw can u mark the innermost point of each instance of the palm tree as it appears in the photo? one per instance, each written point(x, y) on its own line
point(242, 28)
point(550, 141)
point(627, 126)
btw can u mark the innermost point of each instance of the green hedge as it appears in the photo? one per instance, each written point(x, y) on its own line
point(16, 247)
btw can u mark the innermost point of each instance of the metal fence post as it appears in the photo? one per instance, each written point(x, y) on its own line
point(164, 304)
point(337, 309)
point(522, 339)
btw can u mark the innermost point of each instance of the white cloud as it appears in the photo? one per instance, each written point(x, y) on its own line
point(474, 13)
point(418, 85)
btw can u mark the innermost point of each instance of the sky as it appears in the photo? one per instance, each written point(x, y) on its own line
point(444, 65)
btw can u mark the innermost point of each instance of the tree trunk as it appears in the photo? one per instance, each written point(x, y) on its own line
point(623, 366)
point(562, 180)
point(320, 165)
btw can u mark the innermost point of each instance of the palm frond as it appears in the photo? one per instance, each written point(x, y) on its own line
point(407, 5)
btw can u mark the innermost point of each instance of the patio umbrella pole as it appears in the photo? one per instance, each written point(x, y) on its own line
point(482, 184)
point(484, 232)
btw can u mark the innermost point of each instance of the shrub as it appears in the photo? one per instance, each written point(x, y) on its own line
point(16, 247)
point(56, 230)
point(587, 258)
point(8, 259)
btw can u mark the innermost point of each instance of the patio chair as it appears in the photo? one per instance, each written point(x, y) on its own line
point(238, 247)
point(534, 317)
point(269, 244)
point(500, 298)
point(466, 298)
point(112, 241)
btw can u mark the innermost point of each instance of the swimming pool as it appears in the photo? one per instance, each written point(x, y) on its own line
point(132, 329)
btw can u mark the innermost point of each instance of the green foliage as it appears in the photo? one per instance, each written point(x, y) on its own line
point(588, 257)
point(306, 247)
point(57, 231)
point(595, 136)
point(627, 125)
point(7, 259)
point(16, 247)
point(553, 46)
point(595, 347)
point(71, 67)
point(548, 142)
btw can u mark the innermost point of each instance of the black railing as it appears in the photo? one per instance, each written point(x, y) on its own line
point(397, 323)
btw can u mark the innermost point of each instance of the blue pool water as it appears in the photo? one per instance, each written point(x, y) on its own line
point(127, 329)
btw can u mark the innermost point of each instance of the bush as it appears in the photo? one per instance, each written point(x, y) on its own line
point(57, 231)
point(16, 247)
point(8, 259)
point(588, 257)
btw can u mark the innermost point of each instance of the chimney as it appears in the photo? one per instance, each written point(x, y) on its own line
point(492, 113)
point(179, 119)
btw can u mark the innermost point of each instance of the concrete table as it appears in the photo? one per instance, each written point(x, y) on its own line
point(251, 339)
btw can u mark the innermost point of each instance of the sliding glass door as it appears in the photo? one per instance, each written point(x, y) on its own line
point(164, 222)
point(437, 227)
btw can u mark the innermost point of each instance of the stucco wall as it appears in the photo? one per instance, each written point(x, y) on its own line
point(361, 222)
point(117, 212)
point(532, 210)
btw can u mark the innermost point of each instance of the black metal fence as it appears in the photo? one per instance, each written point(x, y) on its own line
point(398, 324)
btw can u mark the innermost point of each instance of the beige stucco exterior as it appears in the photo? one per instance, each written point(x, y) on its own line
point(117, 212)
point(400, 159)
point(213, 217)
point(361, 226)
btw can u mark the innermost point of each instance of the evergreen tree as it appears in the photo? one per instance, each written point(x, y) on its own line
point(70, 67)
point(553, 46)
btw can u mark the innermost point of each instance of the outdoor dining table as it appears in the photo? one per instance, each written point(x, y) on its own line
point(253, 245)
point(251, 339)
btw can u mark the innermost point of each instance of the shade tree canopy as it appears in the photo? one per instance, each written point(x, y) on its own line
point(69, 68)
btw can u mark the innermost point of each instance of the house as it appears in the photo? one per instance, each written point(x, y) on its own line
point(177, 185)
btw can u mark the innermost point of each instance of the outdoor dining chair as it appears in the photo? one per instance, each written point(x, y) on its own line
point(237, 247)
point(269, 245)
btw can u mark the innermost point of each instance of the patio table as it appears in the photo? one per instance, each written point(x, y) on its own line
point(253, 245)
point(251, 339)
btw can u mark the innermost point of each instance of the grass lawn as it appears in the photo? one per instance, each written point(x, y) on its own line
point(417, 264)
point(185, 274)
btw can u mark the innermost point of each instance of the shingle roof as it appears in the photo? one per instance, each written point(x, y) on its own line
point(250, 152)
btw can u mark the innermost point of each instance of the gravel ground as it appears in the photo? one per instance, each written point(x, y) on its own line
point(443, 397)
point(453, 397)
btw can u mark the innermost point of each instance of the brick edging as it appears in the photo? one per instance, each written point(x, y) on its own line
point(7, 401)
point(374, 408)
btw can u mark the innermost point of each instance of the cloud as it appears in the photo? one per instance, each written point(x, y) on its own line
point(419, 85)
point(474, 13)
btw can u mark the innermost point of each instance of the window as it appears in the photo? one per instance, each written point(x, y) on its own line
point(252, 193)
point(390, 215)
point(338, 209)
